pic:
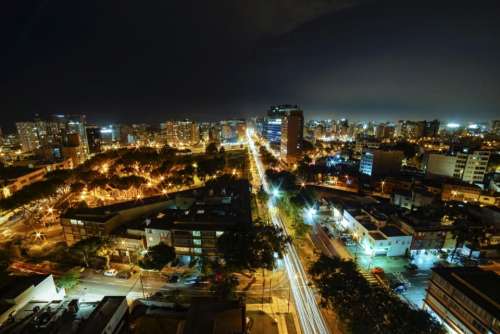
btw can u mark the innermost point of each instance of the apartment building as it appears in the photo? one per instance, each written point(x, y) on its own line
point(465, 299)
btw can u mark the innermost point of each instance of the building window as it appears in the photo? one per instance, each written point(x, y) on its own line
point(218, 233)
point(196, 234)
point(197, 250)
point(197, 242)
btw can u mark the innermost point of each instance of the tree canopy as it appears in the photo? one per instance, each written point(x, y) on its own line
point(255, 246)
point(157, 257)
point(344, 289)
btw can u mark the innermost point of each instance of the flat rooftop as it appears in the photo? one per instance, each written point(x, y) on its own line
point(101, 315)
point(104, 213)
point(369, 226)
point(377, 235)
point(13, 286)
point(392, 231)
point(10, 173)
point(208, 210)
point(51, 317)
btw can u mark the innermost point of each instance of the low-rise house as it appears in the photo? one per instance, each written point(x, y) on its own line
point(411, 199)
point(460, 191)
point(374, 235)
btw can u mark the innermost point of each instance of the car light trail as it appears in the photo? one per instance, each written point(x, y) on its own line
point(310, 316)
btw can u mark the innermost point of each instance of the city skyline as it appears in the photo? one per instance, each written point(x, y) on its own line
point(265, 166)
point(373, 60)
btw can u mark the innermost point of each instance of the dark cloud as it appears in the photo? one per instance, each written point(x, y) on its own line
point(152, 60)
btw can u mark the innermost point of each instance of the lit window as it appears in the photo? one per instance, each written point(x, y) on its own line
point(218, 233)
point(197, 242)
point(197, 250)
point(196, 234)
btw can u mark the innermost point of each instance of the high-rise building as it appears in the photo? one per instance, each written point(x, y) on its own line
point(74, 123)
point(39, 133)
point(475, 168)
point(495, 127)
point(292, 132)
point(378, 162)
point(28, 136)
point(272, 123)
point(181, 133)
point(110, 134)
point(94, 138)
point(74, 149)
point(431, 128)
point(384, 130)
point(467, 167)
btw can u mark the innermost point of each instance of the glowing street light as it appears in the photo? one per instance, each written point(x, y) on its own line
point(275, 192)
point(311, 212)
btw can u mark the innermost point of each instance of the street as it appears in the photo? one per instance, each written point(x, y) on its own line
point(306, 304)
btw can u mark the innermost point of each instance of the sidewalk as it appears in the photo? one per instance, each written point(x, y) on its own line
point(274, 317)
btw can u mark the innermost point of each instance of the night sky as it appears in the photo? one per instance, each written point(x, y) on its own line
point(148, 61)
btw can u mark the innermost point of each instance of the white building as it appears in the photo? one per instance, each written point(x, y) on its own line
point(467, 167)
point(375, 240)
point(475, 168)
point(17, 291)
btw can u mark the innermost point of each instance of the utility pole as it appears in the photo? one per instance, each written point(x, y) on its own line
point(142, 285)
point(263, 286)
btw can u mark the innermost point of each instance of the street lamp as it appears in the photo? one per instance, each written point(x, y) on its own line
point(275, 192)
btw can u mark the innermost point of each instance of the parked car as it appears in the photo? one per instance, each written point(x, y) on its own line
point(377, 270)
point(124, 274)
point(111, 272)
point(399, 288)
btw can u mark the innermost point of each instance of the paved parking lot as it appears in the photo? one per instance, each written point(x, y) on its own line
point(395, 266)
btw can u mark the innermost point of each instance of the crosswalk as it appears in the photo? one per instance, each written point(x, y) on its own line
point(369, 277)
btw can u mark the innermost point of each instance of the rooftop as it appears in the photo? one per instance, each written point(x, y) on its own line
point(52, 317)
point(377, 235)
point(13, 286)
point(104, 213)
point(102, 314)
point(208, 210)
point(392, 231)
point(369, 226)
point(481, 286)
point(9, 173)
point(211, 316)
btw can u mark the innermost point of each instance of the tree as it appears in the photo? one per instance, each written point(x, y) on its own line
point(87, 248)
point(69, 280)
point(157, 257)
point(343, 288)
point(254, 246)
point(211, 149)
point(224, 288)
point(282, 180)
